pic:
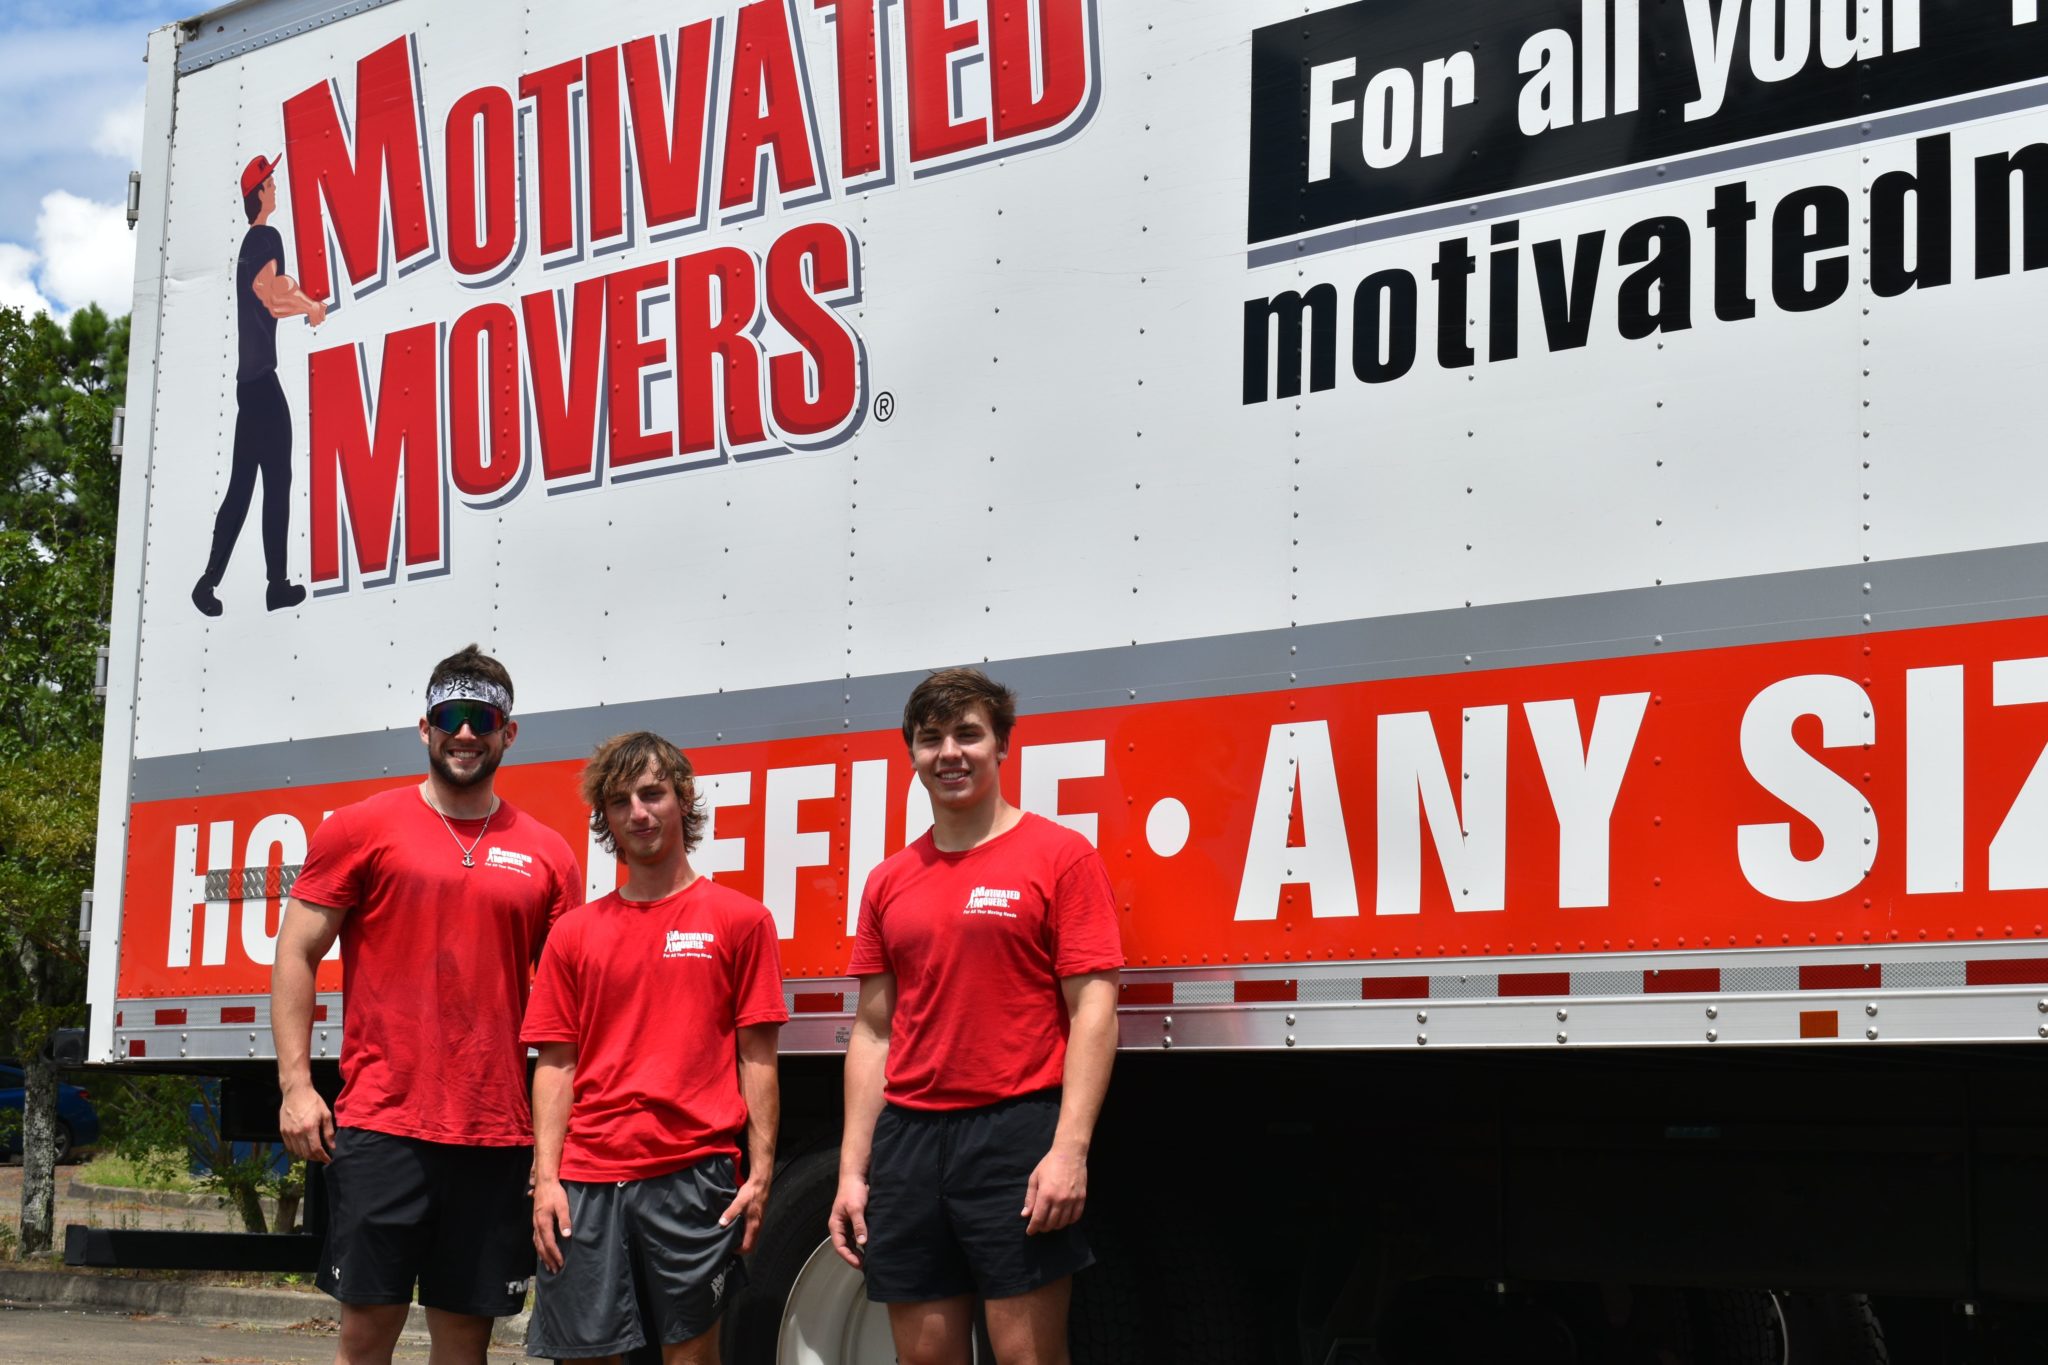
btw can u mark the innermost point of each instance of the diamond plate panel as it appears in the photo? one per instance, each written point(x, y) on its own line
point(1925, 976)
point(1475, 987)
point(252, 884)
point(1328, 990)
point(1204, 992)
point(1607, 983)
point(1780, 977)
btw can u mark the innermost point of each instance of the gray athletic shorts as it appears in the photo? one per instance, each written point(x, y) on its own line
point(661, 1235)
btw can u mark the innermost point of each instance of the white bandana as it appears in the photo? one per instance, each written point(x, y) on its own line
point(468, 687)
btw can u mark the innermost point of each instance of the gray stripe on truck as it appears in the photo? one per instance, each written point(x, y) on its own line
point(1979, 585)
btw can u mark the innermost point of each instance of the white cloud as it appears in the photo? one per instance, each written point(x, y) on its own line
point(120, 131)
point(88, 253)
point(85, 254)
point(17, 282)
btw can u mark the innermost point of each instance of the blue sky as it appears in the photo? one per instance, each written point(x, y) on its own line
point(71, 79)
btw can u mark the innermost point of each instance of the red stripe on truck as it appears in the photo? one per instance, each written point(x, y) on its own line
point(2009, 971)
point(1148, 993)
point(1536, 983)
point(1394, 988)
point(1681, 980)
point(1840, 976)
point(170, 1017)
point(820, 1002)
point(1262, 992)
point(238, 1014)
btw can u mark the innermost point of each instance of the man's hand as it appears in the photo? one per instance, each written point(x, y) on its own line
point(318, 313)
point(550, 1213)
point(307, 1124)
point(751, 1204)
point(849, 1221)
point(1057, 1192)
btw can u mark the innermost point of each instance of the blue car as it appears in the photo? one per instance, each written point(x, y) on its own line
point(78, 1123)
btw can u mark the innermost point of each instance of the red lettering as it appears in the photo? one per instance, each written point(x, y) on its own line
point(629, 354)
point(602, 109)
point(549, 90)
point(814, 390)
point(669, 123)
point(1062, 33)
point(480, 242)
point(479, 473)
point(715, 349)
point(929, 43)
point(565, 413)
point(860, 105)
point(329, 175)
point(765, 111)
point(358, 479)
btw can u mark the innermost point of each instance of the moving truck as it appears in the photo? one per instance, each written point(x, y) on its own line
point(1520, 528)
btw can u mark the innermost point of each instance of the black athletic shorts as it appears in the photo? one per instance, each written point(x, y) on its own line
point(661, 1235)
point(455, 1220)
point(945, 1194)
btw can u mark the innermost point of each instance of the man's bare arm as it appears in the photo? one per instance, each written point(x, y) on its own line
point(867, 1059)
point(282, 297)
point(761, 1087)
point(554, 1086)
point(303, 938)
point(1058, 1189)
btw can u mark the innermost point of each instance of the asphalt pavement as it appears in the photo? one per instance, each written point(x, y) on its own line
point(53, 1336)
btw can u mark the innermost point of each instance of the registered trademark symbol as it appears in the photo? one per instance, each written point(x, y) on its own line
point(885, 406)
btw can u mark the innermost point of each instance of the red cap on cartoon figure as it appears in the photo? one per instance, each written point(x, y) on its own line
point(259, 170)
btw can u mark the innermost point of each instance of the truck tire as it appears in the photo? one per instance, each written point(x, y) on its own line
point(1736, 1327)
point(1832, 1329)
point(802, 1304)
point(1154, 1296)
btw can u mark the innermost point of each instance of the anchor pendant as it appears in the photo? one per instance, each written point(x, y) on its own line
point(467, 861)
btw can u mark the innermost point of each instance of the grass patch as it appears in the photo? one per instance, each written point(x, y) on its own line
point(123, 1173)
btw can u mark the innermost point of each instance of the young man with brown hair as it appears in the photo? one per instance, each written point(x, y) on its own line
point(656, 1013)
point(988, 953)
point(441, 895)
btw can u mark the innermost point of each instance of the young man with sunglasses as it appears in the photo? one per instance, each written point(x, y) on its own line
point(988, 954)
point(656, 1011)
point(441, 895)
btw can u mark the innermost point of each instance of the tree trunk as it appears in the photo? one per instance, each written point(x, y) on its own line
point(38, 1155)
point(287, 1211)
point(250, 1205)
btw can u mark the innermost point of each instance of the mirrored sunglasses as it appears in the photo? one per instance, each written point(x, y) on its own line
point(450, 716)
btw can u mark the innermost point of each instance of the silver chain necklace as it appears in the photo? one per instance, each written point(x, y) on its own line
point(468, 860)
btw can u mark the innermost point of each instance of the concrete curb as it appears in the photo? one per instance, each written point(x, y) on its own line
point(156, 1199)
point(202, 1302)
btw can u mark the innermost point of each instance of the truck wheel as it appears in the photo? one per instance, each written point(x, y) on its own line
point(1737, 1327)
point(1832, 1329)
point(803, 1305)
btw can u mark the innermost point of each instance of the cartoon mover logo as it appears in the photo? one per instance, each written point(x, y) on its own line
point(263, 424)
point(676, 356)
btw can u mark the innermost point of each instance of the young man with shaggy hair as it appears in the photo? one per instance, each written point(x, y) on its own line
point(988, 954)
point(656, 1012)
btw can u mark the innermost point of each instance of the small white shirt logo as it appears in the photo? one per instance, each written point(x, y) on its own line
point(687, 943)
point(986, 900)
point(507, 859)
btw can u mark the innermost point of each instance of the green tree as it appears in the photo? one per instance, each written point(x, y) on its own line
point(59, 489)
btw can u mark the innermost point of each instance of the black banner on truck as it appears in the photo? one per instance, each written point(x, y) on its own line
point(1384, 107)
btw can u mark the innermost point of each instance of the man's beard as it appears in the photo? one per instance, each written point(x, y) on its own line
point(486, 765)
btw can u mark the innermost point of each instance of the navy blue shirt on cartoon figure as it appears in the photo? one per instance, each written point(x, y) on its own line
point(263, 424)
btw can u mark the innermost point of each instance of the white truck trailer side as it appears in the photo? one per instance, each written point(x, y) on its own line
point(1518, 527)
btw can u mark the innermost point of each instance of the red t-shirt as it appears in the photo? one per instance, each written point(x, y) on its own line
point(978, 942)
point(653, 993)
point(435, 959)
